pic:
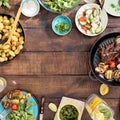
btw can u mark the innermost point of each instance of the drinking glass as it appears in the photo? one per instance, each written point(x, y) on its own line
point(3, 84)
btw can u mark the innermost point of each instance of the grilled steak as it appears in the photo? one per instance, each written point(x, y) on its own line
point(109, 52)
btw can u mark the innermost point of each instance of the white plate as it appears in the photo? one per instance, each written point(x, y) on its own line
point(103, 17)
point(109, 9)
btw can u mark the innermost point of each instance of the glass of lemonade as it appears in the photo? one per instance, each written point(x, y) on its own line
point(98, 109)
point(3, 84)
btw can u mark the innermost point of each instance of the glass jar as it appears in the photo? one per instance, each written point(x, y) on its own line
point(98, 109)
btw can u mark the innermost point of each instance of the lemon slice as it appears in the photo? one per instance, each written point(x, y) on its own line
point(1, 83)
point(52, 107)
point(104, 89)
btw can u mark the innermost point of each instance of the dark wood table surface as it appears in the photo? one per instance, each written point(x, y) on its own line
point(55, 66)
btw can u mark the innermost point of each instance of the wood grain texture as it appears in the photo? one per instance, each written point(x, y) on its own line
point(45, 63)
point(54, 66)
point(54, 87)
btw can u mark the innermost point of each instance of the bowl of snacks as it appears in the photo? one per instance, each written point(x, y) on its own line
point(61, 25)
point(59, 6)
point(91, 20)
point(68, 112)
point(10, 50)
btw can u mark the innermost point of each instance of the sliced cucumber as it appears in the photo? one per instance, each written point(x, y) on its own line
point(94, 25)
point(92, 30)
point(91, 16)
point(82, 23)
point(98, 30)
point(95, 13)
point(88, 12)
point(79, 16)
point(88, 26)
point(88, 21)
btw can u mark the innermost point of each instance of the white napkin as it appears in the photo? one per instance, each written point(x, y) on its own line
point(66, 100)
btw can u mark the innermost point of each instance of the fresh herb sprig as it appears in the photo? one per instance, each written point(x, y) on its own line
point(5, 3)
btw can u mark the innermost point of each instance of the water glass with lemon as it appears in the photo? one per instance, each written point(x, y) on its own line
point(3, 84)
point(98, 109)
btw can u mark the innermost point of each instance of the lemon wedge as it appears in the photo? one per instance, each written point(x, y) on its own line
point(52, 107)
point(1, 83)
point(104, 89)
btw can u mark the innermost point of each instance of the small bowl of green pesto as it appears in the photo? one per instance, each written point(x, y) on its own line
point(68, 112)
point(61, 25)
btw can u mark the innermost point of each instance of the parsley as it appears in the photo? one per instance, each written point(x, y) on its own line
point(5, 3)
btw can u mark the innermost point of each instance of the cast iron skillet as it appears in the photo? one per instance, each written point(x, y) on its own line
point(94, 58)
point(23, 34)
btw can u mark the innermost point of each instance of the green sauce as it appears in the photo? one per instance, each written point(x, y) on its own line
point(62, 27)
point(115, 7)
point(68, 112)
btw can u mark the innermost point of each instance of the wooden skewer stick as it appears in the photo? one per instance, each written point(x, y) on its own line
point(14, 24)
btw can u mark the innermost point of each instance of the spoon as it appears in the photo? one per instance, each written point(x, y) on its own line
point(13, 28)
point(101, 2)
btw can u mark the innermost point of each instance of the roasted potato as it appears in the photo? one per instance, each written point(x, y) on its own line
point(12, 48)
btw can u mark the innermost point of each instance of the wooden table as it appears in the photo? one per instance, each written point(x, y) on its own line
point(54, 66)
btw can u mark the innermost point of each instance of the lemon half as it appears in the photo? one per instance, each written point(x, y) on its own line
point(104, 89)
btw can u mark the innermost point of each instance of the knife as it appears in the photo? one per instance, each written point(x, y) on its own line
point(42, 108)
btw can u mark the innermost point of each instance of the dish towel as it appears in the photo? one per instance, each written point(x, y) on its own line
point(66, 100)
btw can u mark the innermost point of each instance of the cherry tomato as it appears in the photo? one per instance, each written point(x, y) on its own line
point(112, 64)
point(14, 106)
point(93, 9)
point(84, 28)
point(118, 59)
point(83, 19)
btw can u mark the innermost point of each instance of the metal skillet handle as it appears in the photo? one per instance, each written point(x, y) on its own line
point(92, 77)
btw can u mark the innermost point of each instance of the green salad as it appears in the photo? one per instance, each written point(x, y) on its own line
point(22, 113)
point(60, 5)
point(20, 105)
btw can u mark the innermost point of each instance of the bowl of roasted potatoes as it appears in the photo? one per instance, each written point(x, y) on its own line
point(11, 49)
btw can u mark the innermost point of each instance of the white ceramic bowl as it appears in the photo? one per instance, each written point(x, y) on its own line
point(114, 11)
point(103, 17)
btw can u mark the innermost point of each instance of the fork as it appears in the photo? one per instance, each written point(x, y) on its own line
point(5, 113)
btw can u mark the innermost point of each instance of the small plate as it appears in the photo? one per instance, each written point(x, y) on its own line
point(103, 16)
point(60, 19)
point(35, 108)
point(27, 8)
point(112, 10)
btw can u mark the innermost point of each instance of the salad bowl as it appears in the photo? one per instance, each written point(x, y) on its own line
point(59, 6)
point(91, 20)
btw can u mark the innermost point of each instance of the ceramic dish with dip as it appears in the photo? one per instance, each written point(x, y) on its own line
point(112, 7)
point(30, 8)
point(61, 25)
